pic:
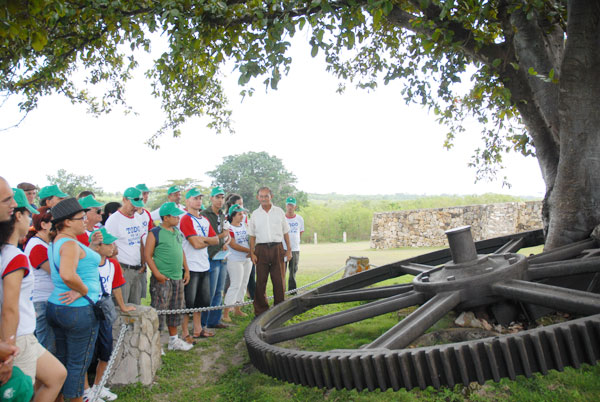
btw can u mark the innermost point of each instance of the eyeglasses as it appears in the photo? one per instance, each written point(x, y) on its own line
point(83, 218)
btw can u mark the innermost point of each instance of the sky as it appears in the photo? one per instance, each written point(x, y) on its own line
point(356, 143)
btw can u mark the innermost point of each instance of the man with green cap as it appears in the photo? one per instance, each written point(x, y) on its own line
point(296, 223)
point(218, 270)
point(165, 257)
point(94, 217)
point(130, 230)
point(51, 195)
point(173, 195)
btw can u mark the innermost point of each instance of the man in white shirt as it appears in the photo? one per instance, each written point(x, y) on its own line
point(296, 223)
point(267, 228)
point(173, 195)
point(129, 229)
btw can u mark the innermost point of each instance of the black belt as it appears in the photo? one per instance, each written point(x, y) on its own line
point(130, 266)
point(268, 244)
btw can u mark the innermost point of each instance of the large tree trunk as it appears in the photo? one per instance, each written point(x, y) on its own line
point(574, 204)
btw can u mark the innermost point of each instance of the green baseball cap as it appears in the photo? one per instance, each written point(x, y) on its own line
point(51, 191)
point(90, 202)
point(21, 200)
point(170, 208)
point(107, 238)
point(235, 208)
point(216, 191)
point(290, 200)
point(193, 193)
point(143, 188)
point(18, 388)
point(135, 196)
point(173, 189)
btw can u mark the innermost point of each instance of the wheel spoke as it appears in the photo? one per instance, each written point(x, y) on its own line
point(338, 319)
point(413, 326)
point(563, 253)
point(412, 268)
point(563, 268)
point(356, 295)
point(554, 297)
point(511, 246)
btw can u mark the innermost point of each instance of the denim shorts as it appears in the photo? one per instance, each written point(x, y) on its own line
point(75, 331)
point(43, 331)
point(104, 344)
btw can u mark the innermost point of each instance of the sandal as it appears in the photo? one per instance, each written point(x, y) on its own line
point(188, 338)
point(204, 334)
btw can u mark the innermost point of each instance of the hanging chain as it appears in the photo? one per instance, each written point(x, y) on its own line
point(110, 364)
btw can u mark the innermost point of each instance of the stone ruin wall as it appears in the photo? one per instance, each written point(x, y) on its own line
point(426, 227)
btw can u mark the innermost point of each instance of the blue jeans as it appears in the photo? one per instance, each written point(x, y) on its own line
point(76, 330)
point(218, 275)
point(43, 331)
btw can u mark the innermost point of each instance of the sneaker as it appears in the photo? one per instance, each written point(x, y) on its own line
point(105, 393)
point(87, 396)
point(178, 344)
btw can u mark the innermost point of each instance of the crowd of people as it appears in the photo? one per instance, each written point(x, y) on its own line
point(85, 255)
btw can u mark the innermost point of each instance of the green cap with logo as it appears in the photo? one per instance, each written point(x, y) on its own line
point(21, 200)
point(290, 200)
point(235, 208)
point(193, 193)
point(18, 388)
point(51, 191)
point(107, 238)
point(216, 191)
point(173, 189)
point(135, 196)
point(89, 202)
point(143, 188)
point(170, 208)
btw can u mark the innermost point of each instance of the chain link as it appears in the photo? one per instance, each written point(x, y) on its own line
point(110, 364)
point(200, 309)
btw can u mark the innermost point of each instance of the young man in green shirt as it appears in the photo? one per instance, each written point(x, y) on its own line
point(165, 258)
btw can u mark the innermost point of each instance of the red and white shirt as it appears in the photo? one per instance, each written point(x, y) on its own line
point(190, 225)
point(240, 234)
point(111, 273)
point(12, 259)
point(37, 252)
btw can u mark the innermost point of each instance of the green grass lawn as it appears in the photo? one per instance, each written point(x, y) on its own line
point(218, 369)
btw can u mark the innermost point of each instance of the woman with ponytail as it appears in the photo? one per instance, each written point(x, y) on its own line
point(36, 249)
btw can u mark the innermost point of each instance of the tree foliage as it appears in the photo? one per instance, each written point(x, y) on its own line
point(532, 63)
point(73, 184)
point(246, 173)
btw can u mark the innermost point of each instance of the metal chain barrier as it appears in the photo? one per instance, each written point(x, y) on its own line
point(200, 309)
point(111, 362)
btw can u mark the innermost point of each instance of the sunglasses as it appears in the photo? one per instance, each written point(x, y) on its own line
point(136, 199)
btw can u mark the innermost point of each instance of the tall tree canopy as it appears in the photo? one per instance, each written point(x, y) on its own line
point(246, 173)
point(73, 184)
point(535, 63)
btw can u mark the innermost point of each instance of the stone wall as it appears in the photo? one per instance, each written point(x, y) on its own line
point(426, 227)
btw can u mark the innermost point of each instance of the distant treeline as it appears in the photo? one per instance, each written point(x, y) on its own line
point(331, 217)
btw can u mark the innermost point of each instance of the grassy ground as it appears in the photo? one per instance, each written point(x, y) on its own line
point(218, 369)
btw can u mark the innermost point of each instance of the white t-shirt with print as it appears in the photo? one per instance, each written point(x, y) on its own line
point(11, 260)
point(240, 234)
point(296, 228)
point(129, 231)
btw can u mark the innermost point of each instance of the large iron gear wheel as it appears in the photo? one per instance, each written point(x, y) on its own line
point(473, 275)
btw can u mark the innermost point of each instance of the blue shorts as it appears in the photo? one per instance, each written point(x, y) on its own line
point(104, 344)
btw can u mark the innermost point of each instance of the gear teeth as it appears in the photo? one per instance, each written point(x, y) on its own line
point(417, 358)
point(380, 371)
point(432, 367)
point(539, 353)
point(493, 363)
point(365, 363)
point(346, 372)
point(391, 364)
point(315, 362)
point(334, 366)
point(406, 369)
point(357, 374)
point(446, 363)
point(524, 359)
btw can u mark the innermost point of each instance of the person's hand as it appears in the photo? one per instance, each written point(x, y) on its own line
point(186, 277)
point(127, 308)
point(225, 247)
point(96, 240)
point(69, 296)
point(288, 255)
point(254, 258)
point(142, 270)
point(8, 351)
point(6, 370)
point(160, 277)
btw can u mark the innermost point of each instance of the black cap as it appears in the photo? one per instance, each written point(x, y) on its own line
point(65, 208)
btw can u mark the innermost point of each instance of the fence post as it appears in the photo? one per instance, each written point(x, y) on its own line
point(344, 237)
point(315, 237)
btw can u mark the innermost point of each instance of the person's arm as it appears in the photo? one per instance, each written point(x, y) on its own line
point(46, 267)
point(237, 247)
point(252, 245)
point(186, 271)
point(69, 259)
point(288, 252)
point(149, 251)
point(120, 302)
point(143, 257)
point(11, 284)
